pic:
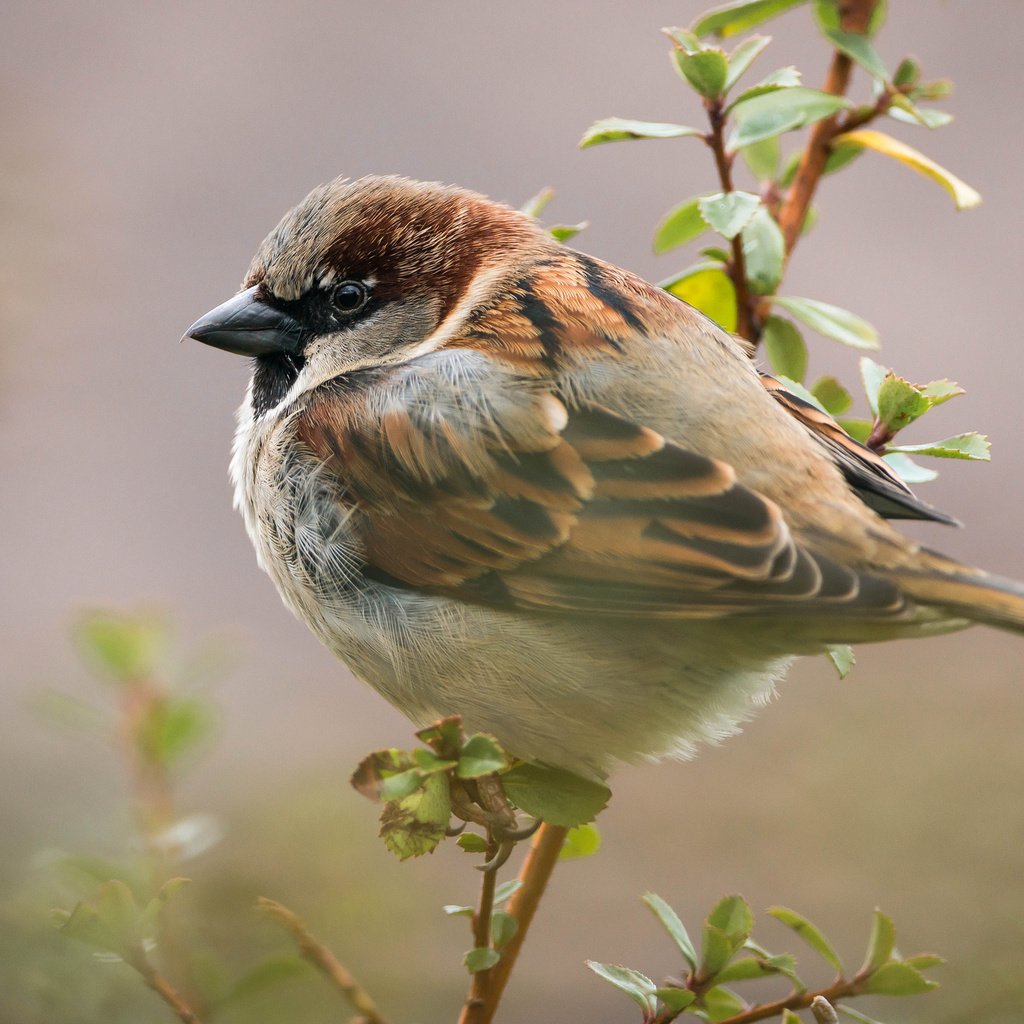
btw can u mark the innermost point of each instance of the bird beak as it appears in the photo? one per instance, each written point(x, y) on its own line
point(247, 326)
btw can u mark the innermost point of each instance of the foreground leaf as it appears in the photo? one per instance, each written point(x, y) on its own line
point(832, 395)
point(680, 225)
point(973, 446)
point(614, 129)
point(557, 796)
point(764, 252)
point(743, 56)
point(414, 825)
point(785, 348)
point(963, 195)
point(782, 110)
point(670, 921)
point(708, 288)
point(841, 656)
point(831, 321)
point(728, 212)
point(581, 841)
point(898, 979)
point(732, 18)
point(705, 70)
point(481, 959)
point(637, 986)
point(809, 933)
point(908, 470)
point(858, 48)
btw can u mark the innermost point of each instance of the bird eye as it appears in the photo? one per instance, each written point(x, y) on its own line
point(350, 296)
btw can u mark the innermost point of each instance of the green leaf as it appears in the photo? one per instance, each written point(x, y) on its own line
point(924, 961)
point(481, 755)
point(705, 70)
point(637, 986)
point(728, 212)
point(809, 933)
point(679, 226)
point(716, 950)
point(973, 446)
point(669, 920)
point(534, 206)
point(831, 321)
point(841, 656)
point(836, 160)
point(856, 1015)
point(676, 999)
point(743, 56)
point(708, 288)
point(732, 18)
point(396, 787)
point(908, 470)
point(470, 842)
point(937, 90)
point(832, 395)
point(789, 1017)
point(963, 195)
point(557, 796)
point(785, 348)
point(503, 928)
point(720, 1003)
point(872, 374)
point(898, 979)
point(480, 959)
point(800, 391)
point(860, 49)
point(155, 907)
point(899, 402)
point(746, 969)
point(581, 841)
point(374, 769)
point(566, 232)
point(733, 916)
point(907, 72)
point(772, 113)
point(110, 923)
point(613, 129)
point(762, 158)
point(881, 943)
point(125, 647)
point(716, 253)
point(428, 762)
point(454, 910)
point(173, 727)
point(415, 824)
point(858, 429)
point(829, 15)
point(784, 78)
point(904, 109)
point(764, 252)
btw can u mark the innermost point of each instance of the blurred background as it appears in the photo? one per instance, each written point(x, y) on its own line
point(148, 148)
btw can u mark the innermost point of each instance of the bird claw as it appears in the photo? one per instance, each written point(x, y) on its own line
point(502, 854)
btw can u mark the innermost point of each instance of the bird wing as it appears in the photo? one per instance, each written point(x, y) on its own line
point(510, 496)
point(874, 480)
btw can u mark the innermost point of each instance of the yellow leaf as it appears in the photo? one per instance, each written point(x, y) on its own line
point(963, 195)
point(709, 290)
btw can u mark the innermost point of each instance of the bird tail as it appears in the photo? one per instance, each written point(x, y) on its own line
point(943, 583)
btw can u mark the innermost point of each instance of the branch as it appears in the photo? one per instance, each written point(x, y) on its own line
point(856, 15)
point(535, 872)
point(162, 987)
point(747, 325)
point(316, 953)
point(480, 986)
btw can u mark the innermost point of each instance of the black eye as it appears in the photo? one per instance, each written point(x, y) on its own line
point(350, 296)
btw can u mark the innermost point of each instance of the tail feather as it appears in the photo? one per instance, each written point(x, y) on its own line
point(943, 583)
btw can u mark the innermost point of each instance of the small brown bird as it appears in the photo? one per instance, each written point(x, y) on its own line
point(505, 480)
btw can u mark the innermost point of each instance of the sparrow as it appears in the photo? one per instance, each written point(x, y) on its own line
point(505, 480)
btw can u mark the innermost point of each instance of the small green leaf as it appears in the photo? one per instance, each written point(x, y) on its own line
point(907, 72)
point(534, 206)
point(732, 18)
point(155, 907)
point(832, 395)
point(506, 891)
point(743, 56)
point(937, 90)
point(680, 225)
point(831, 321)
point(669, 920)
point(470, 842)
point(764, 252)
point(581, 841)
point(111, 922)
point(503, 928)
point(904, 109)
point(614, 129)
point(785, 348)
point(454, 910)
point(973, 446)
point(745, 969)
point(856, 1015)
point(676, 999)
point(557, 796)
point(566, 232)
point(716, 950)
point(374, 769)
point(762, 158)
point(445, 737)
point(637, 986)
point(173, 728)
point(783, 78)
point(924, 961)
point(809, 933)
point(872, 374)
point(728, 212)
point(762, 116)
point(963, 195)
point(716, 253)
point(898, 979)
point(428, 762)
point(841, 656)
point(705, 70)
point(481, 755)
point(396, 787)
point(708, 288)
point(908, 470)
point(858, 429)
point(789, 1017)
point(881, 943)
point(415, 824)
point(899, 402)
point(125, 647)
point(721, 1003)
point(480, 959)
point(858, 48)
point(837, 159)
point(733, 916)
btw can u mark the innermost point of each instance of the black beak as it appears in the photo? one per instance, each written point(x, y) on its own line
point(247, 326)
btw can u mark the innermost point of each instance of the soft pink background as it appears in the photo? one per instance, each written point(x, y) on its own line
point(148, 149)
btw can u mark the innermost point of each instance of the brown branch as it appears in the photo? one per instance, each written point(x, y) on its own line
point(855, 15)
point(162, 987)
point(535, 872)
point(317, 954)
point(480, 986)
point(747, 325)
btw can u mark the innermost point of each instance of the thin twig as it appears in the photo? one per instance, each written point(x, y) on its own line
point(856, 15)
point(480, 986)
point(746, 323)
point(535, 872)
point(316, 953)
point(162, 987)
